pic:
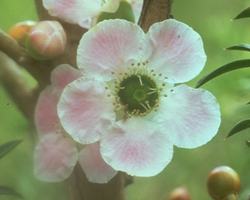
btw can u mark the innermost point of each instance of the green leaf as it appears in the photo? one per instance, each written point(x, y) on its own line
point(248, 143)
point(240, 126)
point(224, 69)
point(240, 47)
point(4, 190)
point(244, 14)
point(7, 147)
point(124, 11)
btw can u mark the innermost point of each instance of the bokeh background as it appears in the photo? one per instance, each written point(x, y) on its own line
point(213, 20)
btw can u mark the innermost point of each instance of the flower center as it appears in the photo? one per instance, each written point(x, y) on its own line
point(138, 93)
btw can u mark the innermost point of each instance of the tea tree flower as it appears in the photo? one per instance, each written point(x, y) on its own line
point(56, 154)
point(131, 102)
point(85, 12)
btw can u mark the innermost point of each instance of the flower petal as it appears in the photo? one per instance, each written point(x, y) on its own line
point(85, 110)
point(109, 46)
point(137, 8)
point(55, 158)
point(137, 147)
point(96, 170)
point(63, 75)
point(46, 119)
point(178, 50)
point(74, 11)
point(190, 116)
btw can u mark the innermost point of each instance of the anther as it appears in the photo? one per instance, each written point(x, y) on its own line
point(152, 92)
point(139, 77)
point(145, 107)
point(148, 105)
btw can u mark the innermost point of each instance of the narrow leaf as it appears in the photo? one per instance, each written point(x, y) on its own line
point(240, 126)
point(244, 14)
point(7, 147)
point(248, 143)
point(238, 64)
point(240, 47)
point(4, 190)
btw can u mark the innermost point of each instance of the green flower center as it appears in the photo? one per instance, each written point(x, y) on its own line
point(138, 93)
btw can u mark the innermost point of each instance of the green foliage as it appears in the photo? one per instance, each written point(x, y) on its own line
point(4, 150)
point(124, 12)
point(4, 190)
point(244, 14)
point(240, 126)
point(7, 147)
point(240, 47)
point(238, 64)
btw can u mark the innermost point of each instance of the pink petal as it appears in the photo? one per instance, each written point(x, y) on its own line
point(137, 147)
point(63, 75)
point(46, 119)
point(178, 50)
point(74, 11)
point(55, 158)
point(111, 46)
point(96, 170)
point(85, 110)
point(190, 116)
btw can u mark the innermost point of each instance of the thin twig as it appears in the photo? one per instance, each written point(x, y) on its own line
point(154, 11)
point(15, 82)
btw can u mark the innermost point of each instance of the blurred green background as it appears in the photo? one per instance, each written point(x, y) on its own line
point(212, 19)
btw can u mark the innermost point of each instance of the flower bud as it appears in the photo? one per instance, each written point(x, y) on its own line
point(20, 31)
point(46, 40)
point(179, 193)
point(223, 183)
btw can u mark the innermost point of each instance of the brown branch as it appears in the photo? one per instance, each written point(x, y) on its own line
point(14, 80)
point(81, 189)
point(10, 46)
point(154, 11)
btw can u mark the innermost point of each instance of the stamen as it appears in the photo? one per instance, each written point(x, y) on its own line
point(147, 103)
point(139, 77)
point(152, 92)
point(145, 107)
point(153, 89)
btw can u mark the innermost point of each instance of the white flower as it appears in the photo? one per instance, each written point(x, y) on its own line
point(130, 102)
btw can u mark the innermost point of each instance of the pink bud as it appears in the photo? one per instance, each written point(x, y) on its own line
point(46, 40)
point(179, 193)
point(223, 182)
